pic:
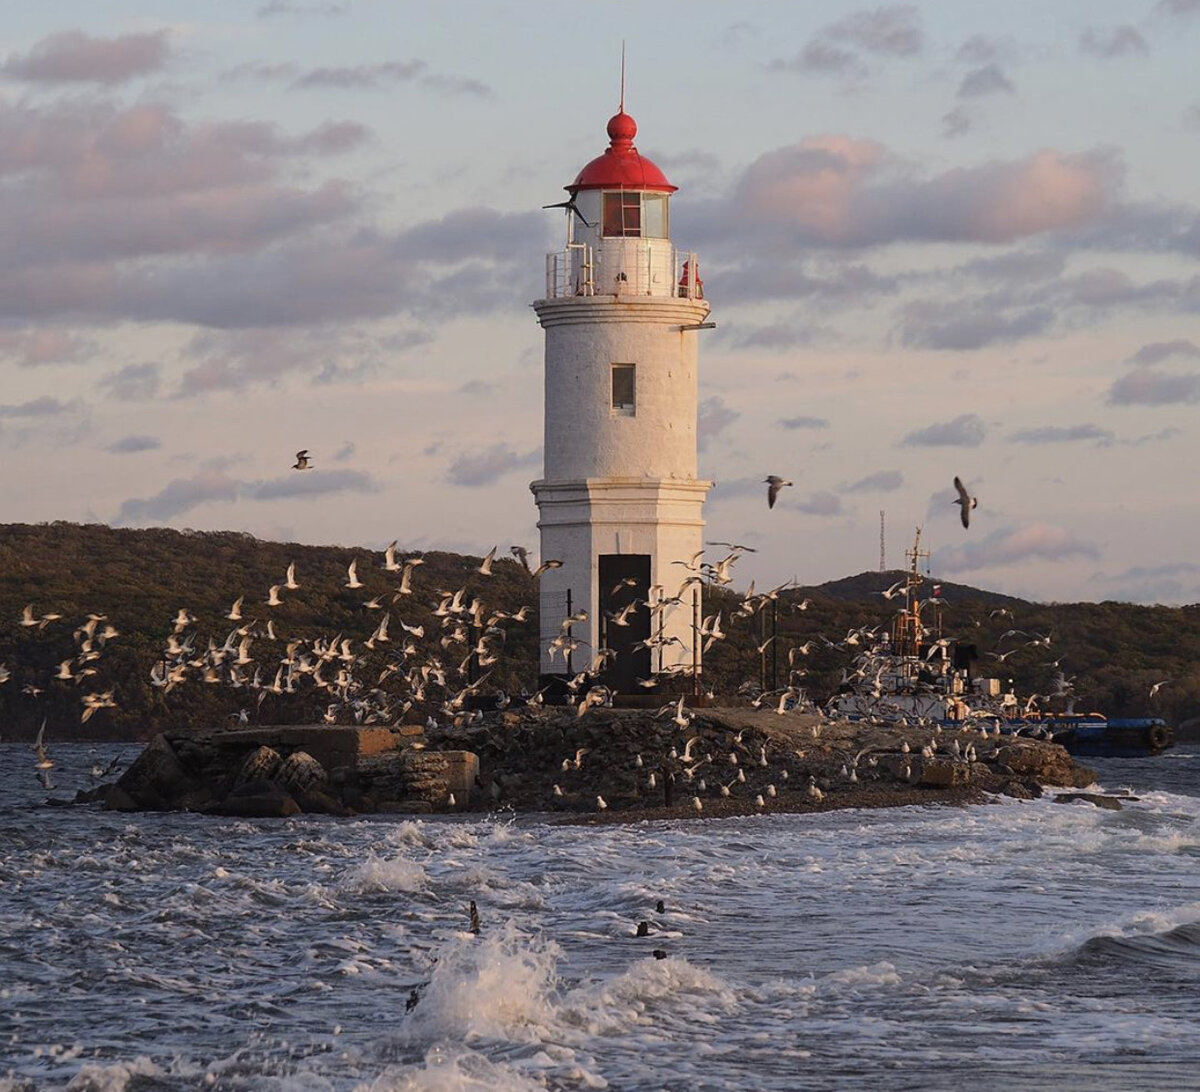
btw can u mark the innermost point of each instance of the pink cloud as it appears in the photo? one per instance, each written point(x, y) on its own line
point(1011, 545)
point(76, 57)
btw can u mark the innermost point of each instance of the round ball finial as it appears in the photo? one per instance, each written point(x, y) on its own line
point(621, 128)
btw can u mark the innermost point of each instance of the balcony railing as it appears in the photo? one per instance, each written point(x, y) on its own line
point(623, 267)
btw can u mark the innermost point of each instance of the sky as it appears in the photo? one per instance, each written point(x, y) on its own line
point(938, 239)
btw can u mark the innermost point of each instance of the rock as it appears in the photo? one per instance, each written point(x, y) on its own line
point(314, 800)
point(157, 780)
point(117, 799)
point(1021, 790)
point(262, 765)
point(300, 772)
point(256, 800)
point(943, 773)
point(1099, 800)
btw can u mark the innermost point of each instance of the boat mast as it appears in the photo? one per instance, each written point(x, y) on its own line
point(907, 631)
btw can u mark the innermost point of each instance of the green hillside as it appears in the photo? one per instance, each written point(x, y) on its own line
point(139, 580)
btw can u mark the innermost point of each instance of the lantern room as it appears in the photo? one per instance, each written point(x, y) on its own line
point(619, 227)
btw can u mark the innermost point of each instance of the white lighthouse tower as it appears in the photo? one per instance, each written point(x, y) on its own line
point(619, 502)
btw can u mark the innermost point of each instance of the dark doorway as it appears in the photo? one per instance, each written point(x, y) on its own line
point(625, 583)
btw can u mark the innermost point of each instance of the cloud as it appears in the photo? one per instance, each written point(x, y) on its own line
point(713, 418)
point(183, 494)
point(76, 57)
point(839, 191)
point(961, 325)
point(1175, 582)
point(479, 468)
point(776, 336)
point(803, 422)
point(132, 383)
point(821, 503)
point(1011, 546)
point(346, 451)
point(177, 497)
point(282, 7)
point(363, 77)
point(130, 445)
point(1060, 434)
point(32, 348)
point(981, 49)
point(988, 79)
point(1110, 42)
point(967, 430)
point(956, 123)
point(890, 31)
point(45, 406)
point(310, 483)
point(1148, 387)
point(1180, 9)
point(1158, 351)
point(894, 30)
point(882, 481)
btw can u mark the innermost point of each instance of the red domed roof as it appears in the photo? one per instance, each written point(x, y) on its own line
point(621, 167)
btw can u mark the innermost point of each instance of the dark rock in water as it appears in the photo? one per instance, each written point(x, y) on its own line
point(1022, 790)
point(263, 765)
point(643, 929)
point(659, 954)
point(157, 780)
point(257, 800)
point(318, 802)
point(1099, 800)
point(117, 799)
point(300, 773)
point(942, 773)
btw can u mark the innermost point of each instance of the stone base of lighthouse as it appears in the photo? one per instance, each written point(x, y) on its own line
point(630, 530)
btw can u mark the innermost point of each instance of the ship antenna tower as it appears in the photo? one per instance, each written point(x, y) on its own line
point(882, 550)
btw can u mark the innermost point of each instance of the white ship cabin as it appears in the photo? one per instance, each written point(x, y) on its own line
point(619, 229)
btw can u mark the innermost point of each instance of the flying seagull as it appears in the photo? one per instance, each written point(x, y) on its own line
point(302, 461)
point(521, 554)
point(966, 500)
point(774, 483)
point(551, 563)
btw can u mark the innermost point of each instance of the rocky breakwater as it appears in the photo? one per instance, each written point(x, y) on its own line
point(282, 771)
point(627, 764)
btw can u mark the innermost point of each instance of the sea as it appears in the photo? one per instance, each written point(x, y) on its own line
point(1013, 945)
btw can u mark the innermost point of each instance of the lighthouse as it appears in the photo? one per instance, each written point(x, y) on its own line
point(619, 501)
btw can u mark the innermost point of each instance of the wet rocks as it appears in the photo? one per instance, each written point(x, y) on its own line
point(268, 774)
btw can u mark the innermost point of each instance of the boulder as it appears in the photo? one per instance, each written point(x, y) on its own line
point(157, 780)
point(256, 800)
point(263, 764)
point(300, 773)
point(316, 801)
point(943, 773)
point(1099, 800)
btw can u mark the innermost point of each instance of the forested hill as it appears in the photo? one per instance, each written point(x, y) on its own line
point(139, 580)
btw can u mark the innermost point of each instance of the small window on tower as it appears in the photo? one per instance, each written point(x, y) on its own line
point(623, 389)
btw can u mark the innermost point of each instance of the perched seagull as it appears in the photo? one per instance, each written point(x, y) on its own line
point(966, 500)
point(601, 804)
point(774, 483)
point(352, 580)
point(485, 569)
point(551, 564)
point(302, 461)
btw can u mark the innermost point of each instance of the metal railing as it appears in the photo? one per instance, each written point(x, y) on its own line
point(620, 266)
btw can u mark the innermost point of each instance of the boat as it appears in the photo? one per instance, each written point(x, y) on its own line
point(912, 673)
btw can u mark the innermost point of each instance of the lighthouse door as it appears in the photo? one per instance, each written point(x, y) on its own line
point(625, 580)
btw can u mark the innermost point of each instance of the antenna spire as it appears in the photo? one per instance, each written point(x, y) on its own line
point(622, 106)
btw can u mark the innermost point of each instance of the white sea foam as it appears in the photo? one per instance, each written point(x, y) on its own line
point(111, 1078)
point(384, 874)
point(452, 1069)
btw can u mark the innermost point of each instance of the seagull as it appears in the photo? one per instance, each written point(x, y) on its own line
point(235, 612)
point(966, 500)
point(551, 564)
point(273, 599)
point(389, 558)
point(352, 580)
point(302, 461)
point(601, 804)
point(291, 583)
point(1158, 686)
point(521, 554)
point(485, 569)
point(774, 483)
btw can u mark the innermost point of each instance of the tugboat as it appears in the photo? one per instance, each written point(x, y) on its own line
point(915, 674)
